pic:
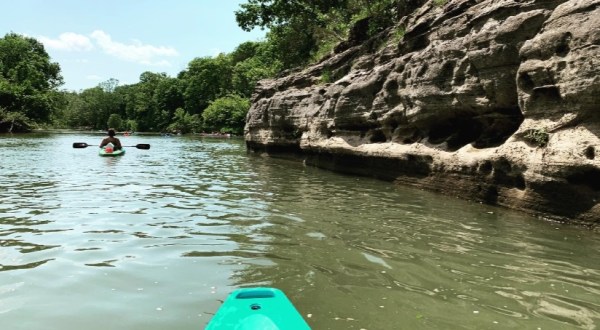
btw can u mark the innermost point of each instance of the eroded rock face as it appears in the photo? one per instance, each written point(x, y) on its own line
point(490, 100)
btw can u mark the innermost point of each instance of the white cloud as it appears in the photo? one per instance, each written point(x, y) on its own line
point(68, 41)
point(135, 51)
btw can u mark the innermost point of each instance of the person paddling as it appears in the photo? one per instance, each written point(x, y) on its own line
point(111, 139)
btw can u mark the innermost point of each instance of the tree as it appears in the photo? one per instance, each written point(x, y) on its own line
point(168, 97)
point(110, 85)
point(142, 104)
point(252, 61)
point(292, 25)
point(295, 43)
point(59, 114)
point(183, 122)
point(227, 114)
point(115, 121)
point(302, 30)
point(270, 13)
point(10, 121)
point(71, 115)
point(27, 80)
point(97, 106)
point(205, 79)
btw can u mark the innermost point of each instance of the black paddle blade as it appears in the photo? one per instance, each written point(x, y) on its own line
point(80, 145)
point(140, 146)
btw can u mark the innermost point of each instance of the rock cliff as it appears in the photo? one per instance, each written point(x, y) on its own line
point(488, 100)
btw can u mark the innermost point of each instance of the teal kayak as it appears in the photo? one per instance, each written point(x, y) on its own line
point(257, 309)
point(115, 153)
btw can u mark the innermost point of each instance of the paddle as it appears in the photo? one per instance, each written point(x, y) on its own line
point(85, 145)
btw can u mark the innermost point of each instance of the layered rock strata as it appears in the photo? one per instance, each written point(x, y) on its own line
point(488, 100)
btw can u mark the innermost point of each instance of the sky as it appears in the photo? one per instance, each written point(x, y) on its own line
point(96, 40)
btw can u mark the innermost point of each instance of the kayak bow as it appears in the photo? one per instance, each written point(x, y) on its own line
point(257, 309)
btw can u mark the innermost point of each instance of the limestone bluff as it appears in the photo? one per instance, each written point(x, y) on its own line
point(489, 100)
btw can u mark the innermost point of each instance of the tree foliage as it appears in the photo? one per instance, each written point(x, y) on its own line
point(271, 13)
point(162, 103)
point(115, 121)
point(184, 122)
point(205, 79)
point(227, 114)
point(251, 62)
point(27, 80)
point(303, 30)
point(13, 121)
point(148, 102)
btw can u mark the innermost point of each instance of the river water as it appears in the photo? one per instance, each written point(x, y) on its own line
point(156, 239)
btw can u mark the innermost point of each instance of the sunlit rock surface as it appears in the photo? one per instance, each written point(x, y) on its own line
point(488, 100)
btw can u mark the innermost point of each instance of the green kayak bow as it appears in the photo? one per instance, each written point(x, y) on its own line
point(257, 309)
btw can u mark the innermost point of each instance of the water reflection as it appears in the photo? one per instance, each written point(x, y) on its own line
point(164, 234)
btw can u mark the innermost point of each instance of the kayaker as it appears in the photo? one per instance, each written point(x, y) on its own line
point(111, 139)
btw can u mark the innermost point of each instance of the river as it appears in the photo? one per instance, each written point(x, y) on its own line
point(156, 239)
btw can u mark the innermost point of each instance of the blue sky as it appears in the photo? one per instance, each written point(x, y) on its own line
point(95, 40)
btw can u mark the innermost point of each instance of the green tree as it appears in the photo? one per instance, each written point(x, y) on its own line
point(72, 115)
point(292, 25)
point(184, 122)
point(302, 30)
point(270, 13)
point(131, 125)
point(27, 80)
point(252, 61)
point(296, 43)
point(115, 121)
point(204, 80)
point(143, 105)
point(13, 121)
point(92, 107)
point(168, 97)
point(58, 115)
point(97, 106)
point(227, 114)
point(110, 85)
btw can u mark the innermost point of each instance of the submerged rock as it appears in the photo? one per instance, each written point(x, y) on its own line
point(488, 100)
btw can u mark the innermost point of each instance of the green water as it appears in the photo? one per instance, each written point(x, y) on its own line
point(158, 238)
